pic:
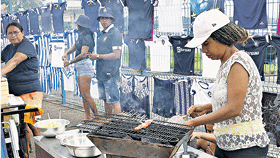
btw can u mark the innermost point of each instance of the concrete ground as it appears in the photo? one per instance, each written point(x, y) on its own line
point(69, 112)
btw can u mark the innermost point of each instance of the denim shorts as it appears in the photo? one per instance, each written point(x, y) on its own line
point(109, 90)
point(84, 68)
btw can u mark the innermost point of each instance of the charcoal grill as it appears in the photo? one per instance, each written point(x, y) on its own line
point(115, 135)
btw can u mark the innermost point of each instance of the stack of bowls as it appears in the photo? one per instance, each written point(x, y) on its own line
point(79, 145)
point(65, 134)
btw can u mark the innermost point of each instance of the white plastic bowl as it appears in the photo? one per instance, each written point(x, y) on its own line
point(45, 128)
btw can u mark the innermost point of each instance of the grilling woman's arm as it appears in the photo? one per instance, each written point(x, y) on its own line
point(199, 110)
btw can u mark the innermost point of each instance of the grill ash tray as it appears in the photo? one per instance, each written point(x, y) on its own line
point(130, 148)
point(115, 135)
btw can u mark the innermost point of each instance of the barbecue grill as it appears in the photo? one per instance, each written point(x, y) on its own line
point(115, 135)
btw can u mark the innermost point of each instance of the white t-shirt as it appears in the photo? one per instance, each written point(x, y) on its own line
point(170, 22)
point(160, 54)
point(202, 92)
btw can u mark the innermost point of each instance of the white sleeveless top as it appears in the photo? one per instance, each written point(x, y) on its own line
point(247, 129)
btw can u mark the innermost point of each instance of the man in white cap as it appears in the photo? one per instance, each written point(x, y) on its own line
point(235, 108)
point(108, 62)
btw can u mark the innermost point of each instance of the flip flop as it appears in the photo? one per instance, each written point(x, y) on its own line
point(83, 121)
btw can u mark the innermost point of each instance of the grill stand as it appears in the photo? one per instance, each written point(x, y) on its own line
point(130, 148)
point(116, 135)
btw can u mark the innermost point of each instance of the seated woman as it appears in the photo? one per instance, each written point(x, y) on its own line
point(21, 70)
point(205, 141)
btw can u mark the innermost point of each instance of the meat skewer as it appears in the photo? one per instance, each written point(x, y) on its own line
point(144, 125)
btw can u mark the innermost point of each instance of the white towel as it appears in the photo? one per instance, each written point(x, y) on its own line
point(94, 88)
point(14, 134)
point(68, 76)
point(14, 100)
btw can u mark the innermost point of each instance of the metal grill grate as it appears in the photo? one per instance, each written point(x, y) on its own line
point(120, 126)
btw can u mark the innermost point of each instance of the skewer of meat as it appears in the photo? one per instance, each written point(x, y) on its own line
point(143, 125)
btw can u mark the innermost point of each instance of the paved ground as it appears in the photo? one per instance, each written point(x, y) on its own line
point(69, 112)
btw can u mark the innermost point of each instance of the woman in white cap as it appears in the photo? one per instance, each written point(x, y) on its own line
point(236, 98)
point(83, 65)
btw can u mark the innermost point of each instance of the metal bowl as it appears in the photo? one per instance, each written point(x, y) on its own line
point(79, 145)
point(65, 134)
point(51, 127)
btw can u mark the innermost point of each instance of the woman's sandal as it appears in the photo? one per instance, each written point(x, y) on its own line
point(83, 121)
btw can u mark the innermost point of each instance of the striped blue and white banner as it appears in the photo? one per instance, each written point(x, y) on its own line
point(55, 78)
point(45, 79)
point(56, 42)
point(43, 49)
point(71, 37)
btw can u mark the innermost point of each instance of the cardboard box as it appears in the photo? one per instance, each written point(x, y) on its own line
point(4, 92)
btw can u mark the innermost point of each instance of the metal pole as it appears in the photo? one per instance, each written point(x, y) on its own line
point(143, 73)
point(10, 6)
point(62, 87)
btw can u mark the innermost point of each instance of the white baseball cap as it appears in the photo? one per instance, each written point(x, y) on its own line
point(205, 24)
